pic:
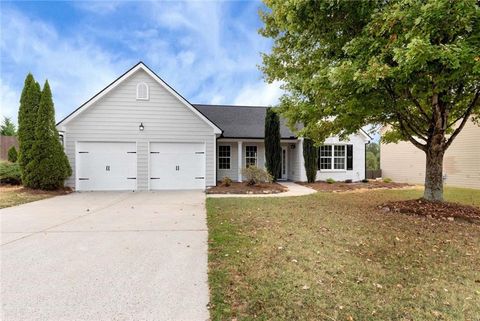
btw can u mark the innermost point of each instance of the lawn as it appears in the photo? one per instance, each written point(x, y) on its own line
point(16, 195)
point(334, 256)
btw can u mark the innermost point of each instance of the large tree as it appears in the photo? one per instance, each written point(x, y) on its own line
point(27, 117)
point(413, 66)
point(273, 149)
point(49, 166)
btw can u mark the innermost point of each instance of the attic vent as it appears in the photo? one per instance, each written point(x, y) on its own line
point(142, 91)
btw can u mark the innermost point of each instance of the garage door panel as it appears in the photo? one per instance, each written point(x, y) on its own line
point(177, 166)
point(106, 166)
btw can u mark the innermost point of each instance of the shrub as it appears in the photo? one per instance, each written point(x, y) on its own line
point(226, 181)
point(12, 154)
point(10, 173)
point(273, 149)
point(364, 180)
point(310, 155)
point(254, 175)
point(387, 180)
point(348, 181)
point(330, 180)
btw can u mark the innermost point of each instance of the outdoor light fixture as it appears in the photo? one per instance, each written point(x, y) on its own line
point(292, 146)
point(141, 127)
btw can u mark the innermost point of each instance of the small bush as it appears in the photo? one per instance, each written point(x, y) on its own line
point(254, 175)
point(348, 181)
point(226, 181)
point(387, 180)
point(10, 173)
point(330, 180)
point(364, 180)
point(12, 154)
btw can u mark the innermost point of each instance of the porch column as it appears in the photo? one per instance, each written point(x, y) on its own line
point(239, 161)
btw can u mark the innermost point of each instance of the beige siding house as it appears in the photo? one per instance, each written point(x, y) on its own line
point(403, 162)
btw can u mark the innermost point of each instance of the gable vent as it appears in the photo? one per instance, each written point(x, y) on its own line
point(142, 91)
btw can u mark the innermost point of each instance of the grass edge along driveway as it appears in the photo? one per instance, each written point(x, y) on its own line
point(333, 256)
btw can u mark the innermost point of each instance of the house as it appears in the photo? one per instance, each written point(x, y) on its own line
point(140, 134)
point(403, 162)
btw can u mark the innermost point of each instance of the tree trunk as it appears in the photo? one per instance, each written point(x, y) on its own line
point(434, 174)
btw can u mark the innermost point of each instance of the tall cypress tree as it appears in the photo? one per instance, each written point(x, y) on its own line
point(273, 149)
point(310, 157)
point(49, 167)
point(27, 115)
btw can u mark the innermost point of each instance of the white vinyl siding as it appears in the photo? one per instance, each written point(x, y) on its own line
point(117, 116)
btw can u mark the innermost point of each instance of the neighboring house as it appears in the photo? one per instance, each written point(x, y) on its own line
point(140, 134)
point(6, 142)
point(403, 162)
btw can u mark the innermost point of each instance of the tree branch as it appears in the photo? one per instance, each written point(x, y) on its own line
point(466, 116)
point(417, 104)
point(410, 137)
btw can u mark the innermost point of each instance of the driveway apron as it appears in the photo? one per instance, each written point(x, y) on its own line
point(106, 256)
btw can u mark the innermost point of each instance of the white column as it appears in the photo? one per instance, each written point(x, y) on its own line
point(239, 161)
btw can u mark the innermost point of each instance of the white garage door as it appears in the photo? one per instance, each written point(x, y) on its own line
point(106, 166)
point(177, 166)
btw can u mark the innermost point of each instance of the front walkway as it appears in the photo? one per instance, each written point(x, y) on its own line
point(106, 256)
point(294, 189)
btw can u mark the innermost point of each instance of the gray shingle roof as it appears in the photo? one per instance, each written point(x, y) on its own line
point(241, 121)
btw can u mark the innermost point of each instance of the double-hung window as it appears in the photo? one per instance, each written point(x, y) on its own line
point(224, 155)
point(250, 156)
point(332, 157)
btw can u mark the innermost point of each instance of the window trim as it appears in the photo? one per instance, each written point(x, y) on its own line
point(148, 91)
point(332, 158)
point(229, 157)
point(255, 157)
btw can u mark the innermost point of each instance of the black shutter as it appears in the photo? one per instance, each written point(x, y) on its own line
point(349, 157)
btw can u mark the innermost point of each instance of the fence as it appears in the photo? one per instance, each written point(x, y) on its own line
point(374, 173)
point(5, 143)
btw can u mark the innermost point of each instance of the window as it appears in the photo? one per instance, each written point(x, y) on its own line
point(250, 156)
point(332, 157)
point(224, 157)
point(142, 91)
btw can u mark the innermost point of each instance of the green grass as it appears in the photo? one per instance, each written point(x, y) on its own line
point(334, 256)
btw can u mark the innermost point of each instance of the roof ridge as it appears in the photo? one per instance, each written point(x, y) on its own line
point(226, 105)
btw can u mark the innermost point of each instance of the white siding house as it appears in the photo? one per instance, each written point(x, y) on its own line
point(140, 134)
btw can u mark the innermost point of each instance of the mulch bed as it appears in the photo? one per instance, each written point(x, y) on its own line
point(342, 186)
point(20, 189)
point(243, 188)
point(439, 210)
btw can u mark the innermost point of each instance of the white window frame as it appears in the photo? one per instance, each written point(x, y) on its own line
point(332, 159)
point(229, 157)
point(147, 90)
point(247, 157)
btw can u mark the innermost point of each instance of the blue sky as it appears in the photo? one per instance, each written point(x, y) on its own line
point(207, 51)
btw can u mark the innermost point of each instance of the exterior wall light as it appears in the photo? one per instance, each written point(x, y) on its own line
point(141, 127)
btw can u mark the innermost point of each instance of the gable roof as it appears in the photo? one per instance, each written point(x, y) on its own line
point(241, 121)
point(128, 73)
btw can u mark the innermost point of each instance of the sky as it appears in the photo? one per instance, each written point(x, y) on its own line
point(209, 51)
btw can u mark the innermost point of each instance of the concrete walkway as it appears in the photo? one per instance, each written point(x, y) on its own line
point(106, 256)
point(294, 189)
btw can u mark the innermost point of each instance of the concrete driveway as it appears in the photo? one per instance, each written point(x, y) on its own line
point(106, 256)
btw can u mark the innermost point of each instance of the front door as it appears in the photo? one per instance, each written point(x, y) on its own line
point(284, 172)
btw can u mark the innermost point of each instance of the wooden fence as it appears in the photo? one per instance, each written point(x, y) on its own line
point(374, 173)
point(5, 143)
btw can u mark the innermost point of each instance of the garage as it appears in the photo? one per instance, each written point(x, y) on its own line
point(177, 166)
point(106, 166)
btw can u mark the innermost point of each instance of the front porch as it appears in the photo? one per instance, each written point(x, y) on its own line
point(233, 155)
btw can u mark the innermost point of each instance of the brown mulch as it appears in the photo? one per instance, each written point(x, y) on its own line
point(243, 188)
point(342, 186)
point(439, 210)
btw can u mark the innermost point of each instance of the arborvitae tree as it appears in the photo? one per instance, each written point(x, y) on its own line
point(273, 149)
point(12, 154)
point(310, 156)
point(27, 115)
point(49, 166)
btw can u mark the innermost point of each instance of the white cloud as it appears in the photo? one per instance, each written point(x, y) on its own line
point(260, 94)
point(76, 69)
point(9, 101)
